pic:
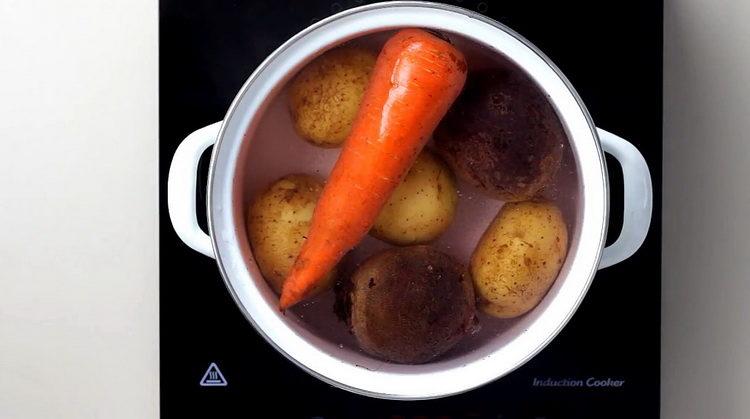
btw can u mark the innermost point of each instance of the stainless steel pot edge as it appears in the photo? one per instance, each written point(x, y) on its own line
point(243, 90)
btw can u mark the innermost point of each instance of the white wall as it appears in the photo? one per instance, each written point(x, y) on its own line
point(78, 209)
point(706, 283)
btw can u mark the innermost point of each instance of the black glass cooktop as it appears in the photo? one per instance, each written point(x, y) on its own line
point(214, 364)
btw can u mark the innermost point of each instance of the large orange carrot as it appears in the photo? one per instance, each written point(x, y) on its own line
point(416, 78)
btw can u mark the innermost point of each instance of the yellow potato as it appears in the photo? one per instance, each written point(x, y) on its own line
point(518, 258)
point(422, 206)
point(324, 97)
point(277, 223)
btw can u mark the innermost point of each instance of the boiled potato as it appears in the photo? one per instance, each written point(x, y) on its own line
point(421, 207)
point(324, 97)
point(518, 258)
point(277, 223)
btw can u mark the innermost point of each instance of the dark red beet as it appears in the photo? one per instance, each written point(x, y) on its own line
point(410, 304)
point(502, 135)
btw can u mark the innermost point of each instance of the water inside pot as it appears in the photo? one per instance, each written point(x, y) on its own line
point(276, 150)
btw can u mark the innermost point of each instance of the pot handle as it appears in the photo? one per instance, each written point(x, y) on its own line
point(637, 200)
point(181, 186)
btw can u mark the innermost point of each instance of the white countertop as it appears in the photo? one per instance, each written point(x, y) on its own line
point(78, 253)
point(78, 243)
point(706, 279)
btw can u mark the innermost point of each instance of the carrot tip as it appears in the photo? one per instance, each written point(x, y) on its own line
point(287, 300)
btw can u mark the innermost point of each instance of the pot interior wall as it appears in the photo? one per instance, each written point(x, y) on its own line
point(274, 150)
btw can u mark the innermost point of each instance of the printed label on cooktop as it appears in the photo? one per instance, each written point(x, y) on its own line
point(585, 382)
point(213, 377)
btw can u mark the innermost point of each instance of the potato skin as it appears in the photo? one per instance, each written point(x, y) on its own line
point(324, 97)
point(502, 135)
point(411, 304)
point(518, 258)
point(278, 221)
point(422, 206)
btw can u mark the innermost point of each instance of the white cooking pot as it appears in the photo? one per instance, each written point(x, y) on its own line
point(239, 166)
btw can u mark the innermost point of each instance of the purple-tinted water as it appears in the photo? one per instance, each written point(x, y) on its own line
point(276, 150)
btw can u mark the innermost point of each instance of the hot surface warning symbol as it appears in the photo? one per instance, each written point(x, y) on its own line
point(213, 377)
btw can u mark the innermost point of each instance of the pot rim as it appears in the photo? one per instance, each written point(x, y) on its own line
point(598, 243)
